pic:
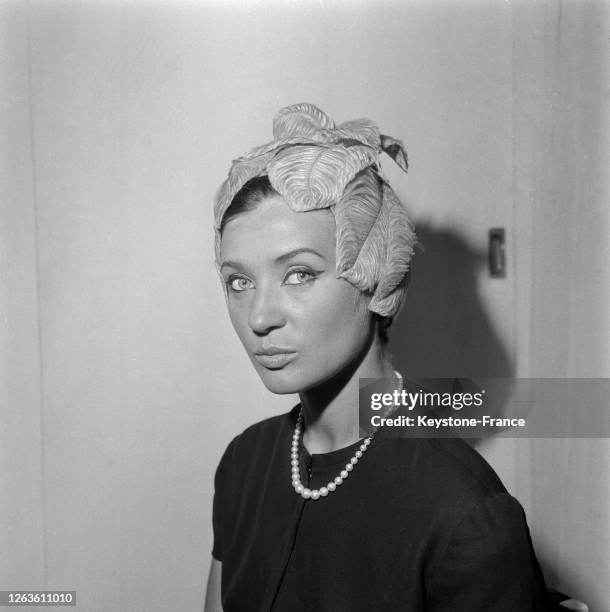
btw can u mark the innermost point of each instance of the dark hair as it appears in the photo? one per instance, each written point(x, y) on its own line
point(248, 197)
point(383, 325)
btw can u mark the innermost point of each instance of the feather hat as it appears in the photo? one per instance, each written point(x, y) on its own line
point(313, 163)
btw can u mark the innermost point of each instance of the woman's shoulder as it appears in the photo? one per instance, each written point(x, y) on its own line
point(269, 428)
point(261, 436)
point(466, 463)
point(443, 468)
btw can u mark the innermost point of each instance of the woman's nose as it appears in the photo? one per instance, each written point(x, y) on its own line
point(266, 311)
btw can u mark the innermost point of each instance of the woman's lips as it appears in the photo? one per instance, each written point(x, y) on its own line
point(273, 359)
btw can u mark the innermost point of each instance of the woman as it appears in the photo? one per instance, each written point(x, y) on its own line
point(310, 513)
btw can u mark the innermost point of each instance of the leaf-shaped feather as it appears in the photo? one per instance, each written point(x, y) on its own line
point(312, 177)
point(242, 171)
point(366, 271)
point(390, 305)
point(302, 119)
point(355, 214)
point(396, 150)
point(276, 145)
point(364, 130)
point(400, 242)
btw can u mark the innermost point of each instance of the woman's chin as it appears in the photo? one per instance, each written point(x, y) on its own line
point(279, 382)
point(280, 387)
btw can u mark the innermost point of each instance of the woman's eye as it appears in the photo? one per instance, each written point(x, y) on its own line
point(239, 283)
point(299, 277)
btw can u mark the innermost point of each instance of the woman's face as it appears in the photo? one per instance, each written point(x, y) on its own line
point(299, 324)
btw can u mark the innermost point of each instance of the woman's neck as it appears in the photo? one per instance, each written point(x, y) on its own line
point(331, 415)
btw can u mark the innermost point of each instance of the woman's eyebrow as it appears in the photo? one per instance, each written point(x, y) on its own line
point(281, 259)
point(286, 256)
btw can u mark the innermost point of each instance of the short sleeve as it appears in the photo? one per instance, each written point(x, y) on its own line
point(489, 563)
point(221, 492)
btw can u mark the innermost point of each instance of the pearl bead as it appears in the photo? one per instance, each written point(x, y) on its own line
point(332, 485)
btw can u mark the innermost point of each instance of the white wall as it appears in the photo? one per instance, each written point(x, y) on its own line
point(22, 534)
point(122, 381)
point(563, 188)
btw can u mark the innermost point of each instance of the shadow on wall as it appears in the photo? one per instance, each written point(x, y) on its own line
point(443, 330)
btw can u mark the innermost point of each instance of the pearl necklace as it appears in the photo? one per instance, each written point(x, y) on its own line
point(306, 493)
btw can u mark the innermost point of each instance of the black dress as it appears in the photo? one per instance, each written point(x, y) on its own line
point(419, 524)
